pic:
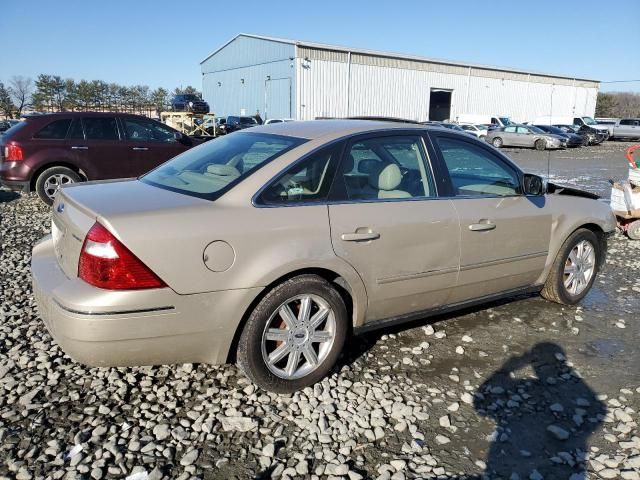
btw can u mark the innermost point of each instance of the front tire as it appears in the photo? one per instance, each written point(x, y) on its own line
point(574, 269)
point(540, 144)
point(294, 335)
point(497, 142)
point(49, 181)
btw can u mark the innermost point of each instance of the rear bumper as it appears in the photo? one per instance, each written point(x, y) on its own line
point(123, 328)
point(15, 175)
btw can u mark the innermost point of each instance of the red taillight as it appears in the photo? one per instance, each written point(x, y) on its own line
point(13, 152)
point(107, 263)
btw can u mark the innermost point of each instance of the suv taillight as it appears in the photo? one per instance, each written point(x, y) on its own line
point(106, 263)
point(13, 153)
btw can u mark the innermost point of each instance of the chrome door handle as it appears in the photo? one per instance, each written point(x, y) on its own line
point(360, 237)
point(137, 149)
point(76, 147)
point(482, 227)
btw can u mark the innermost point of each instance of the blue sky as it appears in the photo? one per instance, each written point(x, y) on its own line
point(160, 43)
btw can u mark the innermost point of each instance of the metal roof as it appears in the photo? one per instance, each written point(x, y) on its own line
point(377, 53)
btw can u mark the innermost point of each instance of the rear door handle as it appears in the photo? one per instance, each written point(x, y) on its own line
point(360, 237)
point(482, 227)
point(137, 149)
point(79, 147)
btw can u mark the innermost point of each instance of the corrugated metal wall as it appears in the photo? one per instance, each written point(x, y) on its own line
point(381, 86)
point(248, 75)
point(321, 82)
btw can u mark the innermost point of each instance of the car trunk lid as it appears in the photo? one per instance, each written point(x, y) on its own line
point(77, 207)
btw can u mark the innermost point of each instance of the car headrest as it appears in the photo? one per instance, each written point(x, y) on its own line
point(386, 176)
point(223, 170)
point(366, 165)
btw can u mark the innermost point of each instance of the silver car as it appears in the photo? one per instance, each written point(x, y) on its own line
point(270, 245)
point(524, 136)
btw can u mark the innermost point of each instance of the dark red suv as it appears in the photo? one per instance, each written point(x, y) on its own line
point(47, 151)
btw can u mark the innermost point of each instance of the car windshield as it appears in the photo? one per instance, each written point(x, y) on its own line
point(589, 121)
point(535, 129)
point(190, 97)
point(248, 120)
point(506, 120)
point(212, 168)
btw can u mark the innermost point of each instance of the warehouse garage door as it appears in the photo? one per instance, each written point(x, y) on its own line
point(439, 104)
point(278, 98)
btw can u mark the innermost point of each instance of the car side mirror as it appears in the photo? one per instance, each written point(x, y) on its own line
point(182, 138)
point(533, 185)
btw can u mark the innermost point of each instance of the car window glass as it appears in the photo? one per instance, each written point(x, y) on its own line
point(213, 166)
point(510, 129)
point(475, 171)
point(55, 130)
point(625, 122)
point(147, 131)
point(392, 167)
point(522, 130)
point(309, 180)
point(75, 131)
point(101, 128)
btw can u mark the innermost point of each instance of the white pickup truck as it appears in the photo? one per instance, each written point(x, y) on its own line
point(625, 128)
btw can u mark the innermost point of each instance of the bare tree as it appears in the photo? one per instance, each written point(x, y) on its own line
point(21, 89)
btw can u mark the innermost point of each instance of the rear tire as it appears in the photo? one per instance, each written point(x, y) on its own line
point(540, 144)
point(560, 286)
point(633, 230)
point(497, 142)
point(49, 181)
point(285, 352)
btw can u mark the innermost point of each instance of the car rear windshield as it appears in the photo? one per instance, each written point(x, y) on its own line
point(11, 130)
point(209, 170)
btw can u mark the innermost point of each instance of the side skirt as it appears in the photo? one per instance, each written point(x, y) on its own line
point(432, 312)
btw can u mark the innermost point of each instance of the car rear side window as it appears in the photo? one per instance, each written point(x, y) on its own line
point(475, 171)
point(147, 131)
point(101, 128)
point(309, 180)
point(75, 131)
point(56, 130)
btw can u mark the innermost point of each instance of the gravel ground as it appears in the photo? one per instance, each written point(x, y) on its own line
point(523, 389)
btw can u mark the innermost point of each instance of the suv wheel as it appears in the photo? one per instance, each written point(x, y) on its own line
point(294, 335)
point(574, 269)
point(540, 144)
point(497, 142)
point(49, 181)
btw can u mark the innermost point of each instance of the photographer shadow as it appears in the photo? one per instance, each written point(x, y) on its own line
point(543, 422)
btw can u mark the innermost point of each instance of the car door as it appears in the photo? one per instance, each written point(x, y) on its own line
point(389, 224)
point(524, 137)
point(504, 234)
point(149, 143)
point(509, 136)
point(106, 151)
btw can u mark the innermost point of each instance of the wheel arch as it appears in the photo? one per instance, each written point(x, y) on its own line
point(54, 163)
point(352, 297)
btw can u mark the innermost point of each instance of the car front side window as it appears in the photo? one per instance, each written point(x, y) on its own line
point(383, 168)
point(475, 171)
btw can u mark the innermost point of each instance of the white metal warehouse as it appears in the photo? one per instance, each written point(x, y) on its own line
point(303, 80)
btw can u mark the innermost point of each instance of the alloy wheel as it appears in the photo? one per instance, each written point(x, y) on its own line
point(54, 182)
point(579, 267)
point(298, 336)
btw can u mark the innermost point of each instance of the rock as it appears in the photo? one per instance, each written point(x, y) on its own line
point(190, 457)
point(558, 432)
point(161, 431)
point(238, 424)
point(467, 398)
point(442, 440)
point(444, 421)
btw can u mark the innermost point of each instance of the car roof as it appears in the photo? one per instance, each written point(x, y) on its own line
point(83, 114)
point(313, 129)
